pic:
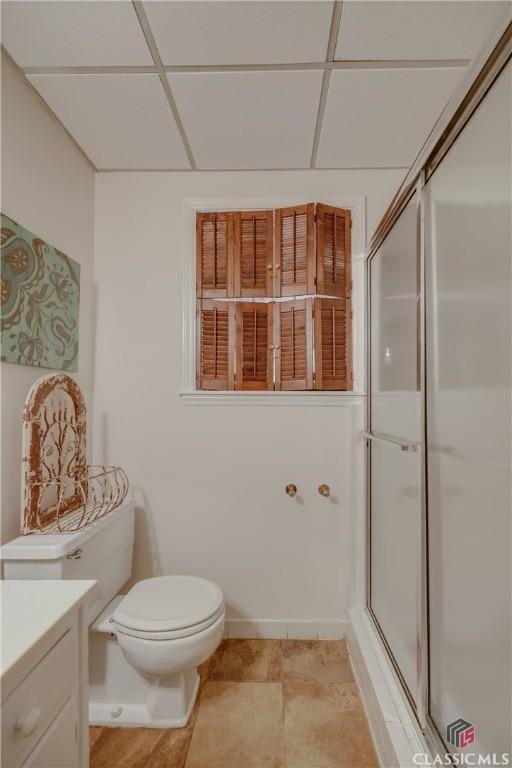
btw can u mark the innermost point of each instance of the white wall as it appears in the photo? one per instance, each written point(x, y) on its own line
point(47, 186)
point(209, 479)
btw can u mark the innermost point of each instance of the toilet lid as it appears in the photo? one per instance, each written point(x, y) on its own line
point(169, 602)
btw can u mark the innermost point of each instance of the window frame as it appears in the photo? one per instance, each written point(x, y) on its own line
point(189, 393)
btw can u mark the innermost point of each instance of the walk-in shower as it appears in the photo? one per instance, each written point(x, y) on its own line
point(439, 424)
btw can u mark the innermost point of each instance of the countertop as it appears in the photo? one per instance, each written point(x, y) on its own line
point(29, 611)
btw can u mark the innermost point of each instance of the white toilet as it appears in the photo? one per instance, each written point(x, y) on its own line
point(145, 646)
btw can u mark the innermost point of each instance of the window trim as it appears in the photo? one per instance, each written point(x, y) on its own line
point(188, 392)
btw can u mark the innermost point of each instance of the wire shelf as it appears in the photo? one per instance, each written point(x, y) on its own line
point(100, 489)
point(61, 493)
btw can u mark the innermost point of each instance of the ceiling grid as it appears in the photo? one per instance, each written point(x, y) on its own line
point(331, 50)
point(279, 67)
point(254, 69)
point(150, 40)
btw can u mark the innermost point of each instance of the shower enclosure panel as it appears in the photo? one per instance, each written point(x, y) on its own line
point(439, 424)
point(393, 438)
point(469, 342)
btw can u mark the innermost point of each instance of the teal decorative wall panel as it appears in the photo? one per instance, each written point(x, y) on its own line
point(40, 292)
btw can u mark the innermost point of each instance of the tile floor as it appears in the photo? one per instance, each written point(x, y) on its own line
point(262, 704)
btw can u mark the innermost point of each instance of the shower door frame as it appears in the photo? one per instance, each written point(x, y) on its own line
point(419, 707)
point(485, 70)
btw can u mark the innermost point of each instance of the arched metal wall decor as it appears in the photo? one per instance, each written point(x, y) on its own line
point(60, 492)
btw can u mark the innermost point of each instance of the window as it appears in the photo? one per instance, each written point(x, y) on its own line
point(273, 296)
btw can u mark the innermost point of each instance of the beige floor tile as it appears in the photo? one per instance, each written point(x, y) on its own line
point(144, 747)
point(323, 661)
point(247, 661)
point(326, 727)
point(203, 669)
point(170, 750)
point(95, 731)
point(239, 725)
point(124, 747)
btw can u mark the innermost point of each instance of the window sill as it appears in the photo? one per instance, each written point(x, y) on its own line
point(325, 399)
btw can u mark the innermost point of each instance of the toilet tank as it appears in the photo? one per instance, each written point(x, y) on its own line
point(102, 551)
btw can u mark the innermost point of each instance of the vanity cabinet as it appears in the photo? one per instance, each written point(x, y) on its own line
point(45, 673)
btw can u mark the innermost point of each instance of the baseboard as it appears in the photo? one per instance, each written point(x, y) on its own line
point(395, 732)
point(283, 629)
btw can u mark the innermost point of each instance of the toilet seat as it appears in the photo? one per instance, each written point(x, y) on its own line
point(168, 607)
point(173, 633)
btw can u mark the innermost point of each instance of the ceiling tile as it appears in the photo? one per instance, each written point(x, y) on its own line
point(240, 32)
point(430, 29)
point(381, 118)
point(120, 121)
point(73, 34)
point(249, 119)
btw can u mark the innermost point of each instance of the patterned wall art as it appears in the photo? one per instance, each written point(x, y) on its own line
point(40, 292)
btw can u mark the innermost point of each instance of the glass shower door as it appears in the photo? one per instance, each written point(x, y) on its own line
point(469, 341)
point(393, 461)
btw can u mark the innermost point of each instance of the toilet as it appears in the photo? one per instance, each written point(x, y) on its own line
point(144, 646)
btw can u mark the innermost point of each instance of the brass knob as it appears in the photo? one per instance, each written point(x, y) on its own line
point(324, 490)
point(291, 489)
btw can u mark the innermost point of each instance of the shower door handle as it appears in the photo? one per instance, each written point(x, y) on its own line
point(400, 444)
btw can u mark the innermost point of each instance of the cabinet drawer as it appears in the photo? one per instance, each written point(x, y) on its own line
point(59, 746)
point(29, 710)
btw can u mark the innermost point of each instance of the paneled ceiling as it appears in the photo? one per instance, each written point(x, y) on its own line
point(247, 85)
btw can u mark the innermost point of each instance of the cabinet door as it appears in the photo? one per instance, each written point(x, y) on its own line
point(253, 253)
point(31, 707)
point(295, 250)
point(333, 257)
point(294, 331)
point(254, 339)
point(215, 344)
point(333, 344)
point(58, 748)
point(214, 255)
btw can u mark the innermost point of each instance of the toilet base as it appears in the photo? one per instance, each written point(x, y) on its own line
point(119, 696)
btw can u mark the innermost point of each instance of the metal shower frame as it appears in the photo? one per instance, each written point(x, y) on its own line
point(456, 115)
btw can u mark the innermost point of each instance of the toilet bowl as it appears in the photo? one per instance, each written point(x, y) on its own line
point(169, 624)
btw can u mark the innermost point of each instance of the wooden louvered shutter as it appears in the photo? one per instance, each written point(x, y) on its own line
point(295, 250)
point(294, 331)
point(254, 337)
point(214, 249)
point(253, 253)
point(333, 257)
point(215, 344)
point(333, 344)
